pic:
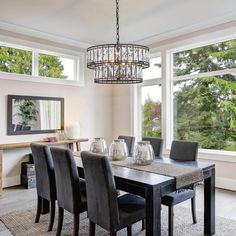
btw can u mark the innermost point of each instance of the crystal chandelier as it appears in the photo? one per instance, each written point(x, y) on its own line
point(118, 63)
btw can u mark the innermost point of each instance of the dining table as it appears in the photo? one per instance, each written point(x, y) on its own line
point(153, 187)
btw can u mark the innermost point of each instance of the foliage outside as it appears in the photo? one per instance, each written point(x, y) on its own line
point(151, 118)
point(204, 108)
point(19, 61)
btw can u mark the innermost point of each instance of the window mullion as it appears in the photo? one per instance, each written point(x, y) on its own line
point(35, 64)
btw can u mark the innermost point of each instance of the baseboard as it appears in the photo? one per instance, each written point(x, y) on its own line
point(226, 183)
point(11, 181)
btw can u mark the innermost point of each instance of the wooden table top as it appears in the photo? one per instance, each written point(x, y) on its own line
point(9, 146)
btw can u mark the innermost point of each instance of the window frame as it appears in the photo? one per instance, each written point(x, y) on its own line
point(166, 52)
point(173, 79)
point(145, 83)
point(78, 58)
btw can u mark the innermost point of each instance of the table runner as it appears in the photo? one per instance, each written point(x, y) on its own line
point(184, 175)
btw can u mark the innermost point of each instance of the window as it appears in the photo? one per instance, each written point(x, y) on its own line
point(13, 60)
point(151, 111)
point(56, 67)
point(150, 97)
point(204, 101)
point(38, 64)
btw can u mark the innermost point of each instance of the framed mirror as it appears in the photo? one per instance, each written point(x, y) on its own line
point(34, 115)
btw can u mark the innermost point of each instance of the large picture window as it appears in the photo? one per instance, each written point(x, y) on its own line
point(204, 87)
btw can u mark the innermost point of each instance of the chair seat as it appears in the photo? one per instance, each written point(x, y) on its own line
point(131, 209)
point(177, 197)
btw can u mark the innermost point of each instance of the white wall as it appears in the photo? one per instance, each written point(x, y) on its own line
point(91, 105)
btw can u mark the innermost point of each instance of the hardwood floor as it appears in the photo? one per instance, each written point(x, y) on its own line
point(16, 198)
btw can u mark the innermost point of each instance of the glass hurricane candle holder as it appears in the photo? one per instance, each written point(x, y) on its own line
point(99, 145)
point(143, 153)
point(118, 150)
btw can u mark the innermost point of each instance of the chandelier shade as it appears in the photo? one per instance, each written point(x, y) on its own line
point(118, 63)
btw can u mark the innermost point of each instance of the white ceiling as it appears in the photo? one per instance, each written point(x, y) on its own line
point(93, 21)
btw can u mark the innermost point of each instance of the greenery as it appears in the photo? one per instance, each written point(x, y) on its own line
point(15, 61)
point(151, 118)
point(27, 111)
point(19, 61)
point(204, 108)
point(50, 66)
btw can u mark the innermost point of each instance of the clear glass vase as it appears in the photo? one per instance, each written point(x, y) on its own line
point(118, 150)
point(99, 145)
point(143, 153)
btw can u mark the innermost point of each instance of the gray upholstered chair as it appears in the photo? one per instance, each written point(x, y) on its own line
point(105, 208)
point(157, 144)
point(45, 180)
point(71, 190)
point(129, 140)
point(181, 151)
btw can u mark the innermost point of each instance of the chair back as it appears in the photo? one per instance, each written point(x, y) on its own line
point(184, 150)
point(157, 144)
point(67, 179)
point(44, 168)
point(101, 191)
point(129, 140)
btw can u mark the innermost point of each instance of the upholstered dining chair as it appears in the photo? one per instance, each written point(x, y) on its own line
point(105, 208)
point(181, 151)
point(157, 144)
point(71, 190)
point(45, 180)
point(129, 140)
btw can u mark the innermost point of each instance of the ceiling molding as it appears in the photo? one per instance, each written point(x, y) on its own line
point(42, 35)
point(224, 21)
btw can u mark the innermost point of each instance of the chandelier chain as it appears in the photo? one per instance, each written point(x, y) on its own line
point(117, 22)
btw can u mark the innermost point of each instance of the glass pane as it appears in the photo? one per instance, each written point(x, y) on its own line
point(154, 71)
point(56, 67)
point(213, 57)
point(205, 111)
point(151, 111)
point(14, 60)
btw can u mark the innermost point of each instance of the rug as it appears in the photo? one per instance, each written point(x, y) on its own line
point(21, 223)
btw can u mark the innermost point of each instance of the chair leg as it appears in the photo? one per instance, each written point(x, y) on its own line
point(143, 224)
point(39, 209)
point(76, 224)
point(91, 228)
point(60, 221)
point(193, 206)
point(171, 220)
point(52, 216)
point(112, 233)
point(129, 230)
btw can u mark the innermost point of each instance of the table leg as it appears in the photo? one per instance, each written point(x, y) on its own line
point(45, 206)
point(209, 204)
point(153, 212)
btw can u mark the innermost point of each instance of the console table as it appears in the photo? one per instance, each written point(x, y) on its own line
point(10, 146)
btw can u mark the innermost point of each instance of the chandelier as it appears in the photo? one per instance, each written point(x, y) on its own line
point(118, 63)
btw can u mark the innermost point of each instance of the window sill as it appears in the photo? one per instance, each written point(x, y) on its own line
point(212, 155)
point(39, 79)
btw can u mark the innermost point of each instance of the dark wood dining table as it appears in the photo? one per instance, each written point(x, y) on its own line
point(153, 186)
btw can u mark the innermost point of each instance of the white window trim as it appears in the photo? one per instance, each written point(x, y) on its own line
point(167, 91)
point(79, 60)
